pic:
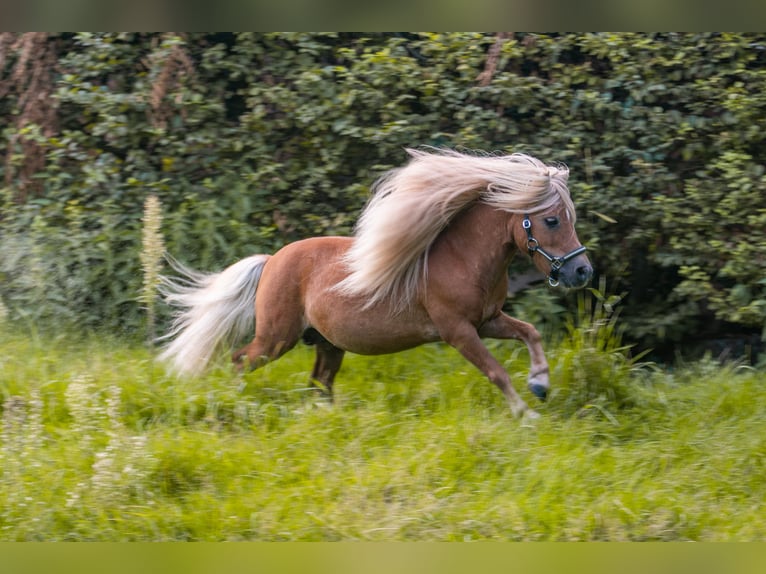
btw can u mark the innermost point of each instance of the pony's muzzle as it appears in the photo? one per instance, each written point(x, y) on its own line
point(576, 273)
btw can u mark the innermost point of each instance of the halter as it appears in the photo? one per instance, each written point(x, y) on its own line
point(533, 246)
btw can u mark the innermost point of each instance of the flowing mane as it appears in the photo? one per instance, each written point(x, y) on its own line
point(411, 205)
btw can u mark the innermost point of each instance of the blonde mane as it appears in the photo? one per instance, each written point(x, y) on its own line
point(411, 205)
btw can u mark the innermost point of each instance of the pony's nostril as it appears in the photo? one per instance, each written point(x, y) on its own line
point(584, 273)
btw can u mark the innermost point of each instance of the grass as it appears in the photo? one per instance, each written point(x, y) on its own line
point(99, 443)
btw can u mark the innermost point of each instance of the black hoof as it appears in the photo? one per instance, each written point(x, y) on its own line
point(540, 391)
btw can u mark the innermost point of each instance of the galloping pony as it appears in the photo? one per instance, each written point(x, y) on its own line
point(428, 262)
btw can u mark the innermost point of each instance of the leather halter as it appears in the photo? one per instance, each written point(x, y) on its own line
point(533, 246)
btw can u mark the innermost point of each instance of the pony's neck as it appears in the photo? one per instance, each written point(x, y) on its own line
point(482, 236)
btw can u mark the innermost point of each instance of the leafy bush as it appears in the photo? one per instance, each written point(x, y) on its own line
point(252, 140)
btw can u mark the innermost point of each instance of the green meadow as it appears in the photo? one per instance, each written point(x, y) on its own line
point(99, 443)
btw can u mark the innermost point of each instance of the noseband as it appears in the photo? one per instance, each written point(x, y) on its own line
point(533, 246)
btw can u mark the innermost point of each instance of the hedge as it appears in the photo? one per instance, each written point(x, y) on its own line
point(253, 140)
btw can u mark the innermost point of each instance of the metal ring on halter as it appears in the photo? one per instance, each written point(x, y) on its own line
point(532, 244)
point(553, 282)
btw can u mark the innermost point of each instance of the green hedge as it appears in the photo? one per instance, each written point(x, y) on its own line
point(254, 140)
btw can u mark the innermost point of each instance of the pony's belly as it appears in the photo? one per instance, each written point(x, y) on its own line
point(373, 334)
point(382, 343)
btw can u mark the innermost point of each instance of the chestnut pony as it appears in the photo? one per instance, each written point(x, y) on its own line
point(428, 262)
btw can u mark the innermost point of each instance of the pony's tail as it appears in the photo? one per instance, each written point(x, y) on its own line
point(212, 310)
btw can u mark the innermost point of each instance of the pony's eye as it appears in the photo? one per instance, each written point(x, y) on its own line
point(552, 222)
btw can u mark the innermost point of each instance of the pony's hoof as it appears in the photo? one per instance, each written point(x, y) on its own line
point(529, 417)
point(538, 389)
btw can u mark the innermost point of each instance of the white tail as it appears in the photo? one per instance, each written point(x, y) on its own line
point(212, 310)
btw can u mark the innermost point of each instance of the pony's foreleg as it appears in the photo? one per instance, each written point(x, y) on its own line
point(327, 364)
point(465, 338)
point(502, 326)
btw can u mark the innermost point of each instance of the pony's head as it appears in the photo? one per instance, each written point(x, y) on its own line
point(544, 216)
point(550, 239)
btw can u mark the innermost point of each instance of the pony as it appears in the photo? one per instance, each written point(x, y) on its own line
point(427, 262)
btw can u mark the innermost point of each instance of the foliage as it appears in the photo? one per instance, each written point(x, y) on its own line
point(252, 140)
point(98, 444)
point(594, 368)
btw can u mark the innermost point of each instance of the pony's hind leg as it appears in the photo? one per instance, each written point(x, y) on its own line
point(272, 340)
point(261, 351)
point(327, 364)
point(279, 318)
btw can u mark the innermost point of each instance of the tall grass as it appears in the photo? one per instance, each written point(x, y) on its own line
point(99, 443)
point(594, 368)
